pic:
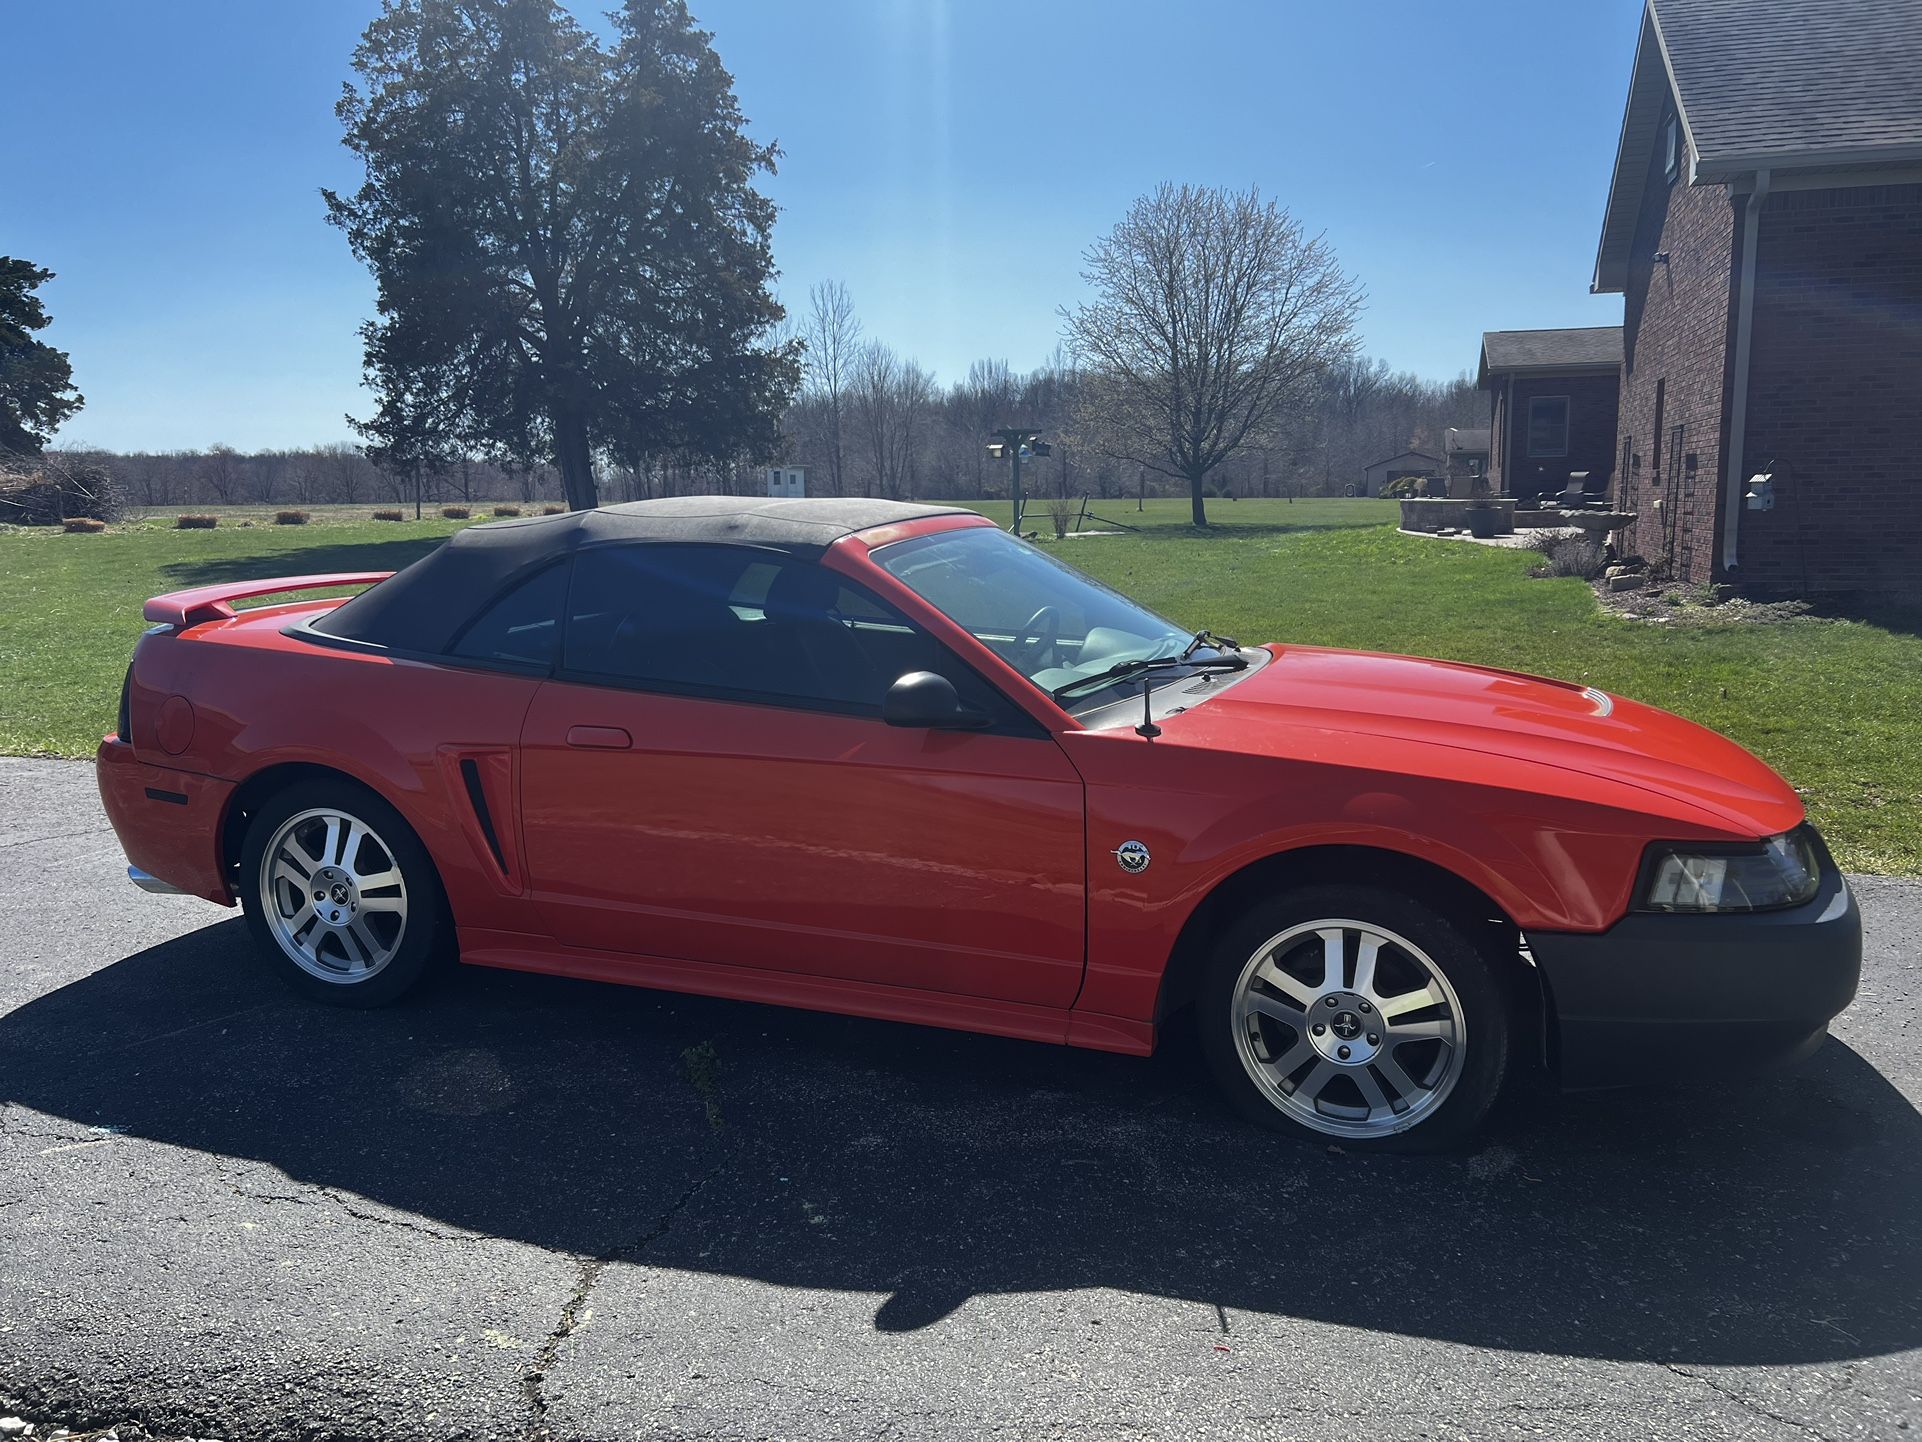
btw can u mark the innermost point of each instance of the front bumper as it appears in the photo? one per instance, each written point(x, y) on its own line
point(1657, 997)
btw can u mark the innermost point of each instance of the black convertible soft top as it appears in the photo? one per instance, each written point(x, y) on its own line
point(422, 607)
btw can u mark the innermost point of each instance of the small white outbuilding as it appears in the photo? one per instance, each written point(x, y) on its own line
point(787, 481)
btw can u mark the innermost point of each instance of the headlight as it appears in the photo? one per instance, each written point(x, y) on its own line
point(1784, 870)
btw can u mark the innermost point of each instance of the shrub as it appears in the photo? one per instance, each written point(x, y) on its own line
point(1567, 556)
point(507, 510)
point(389, 516)
point(553, 510)
point(195, 523)
point(290, 518)
point(82, 525)
point(455, 513)
point(1061, 510)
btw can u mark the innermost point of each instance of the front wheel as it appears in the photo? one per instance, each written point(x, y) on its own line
point(1357, 1015)
point(340, 894)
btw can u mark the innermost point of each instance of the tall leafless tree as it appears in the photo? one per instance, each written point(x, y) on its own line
point(1214, 314)
point(891, 400)
point(222, 474)
point(833, 336)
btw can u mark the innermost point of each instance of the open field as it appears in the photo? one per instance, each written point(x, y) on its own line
point(1836, 705)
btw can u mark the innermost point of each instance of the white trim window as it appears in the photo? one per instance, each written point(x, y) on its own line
point(1671, 147)
point(1547, 426)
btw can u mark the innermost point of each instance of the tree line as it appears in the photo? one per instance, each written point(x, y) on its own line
point(900, 434)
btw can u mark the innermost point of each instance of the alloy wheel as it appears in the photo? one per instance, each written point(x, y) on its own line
point(333, 896)
point(1348, 1028)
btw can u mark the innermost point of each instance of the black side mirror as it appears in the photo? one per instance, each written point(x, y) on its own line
point(927, 699)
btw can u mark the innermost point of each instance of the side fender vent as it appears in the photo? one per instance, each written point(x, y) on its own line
point(477, 798)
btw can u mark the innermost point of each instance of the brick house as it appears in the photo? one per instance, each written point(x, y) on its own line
point(1764, 228)
point(1552, 408)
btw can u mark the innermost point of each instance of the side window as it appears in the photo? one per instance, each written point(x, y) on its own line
point(745, 625)
point(521, 627)
point(657, 615)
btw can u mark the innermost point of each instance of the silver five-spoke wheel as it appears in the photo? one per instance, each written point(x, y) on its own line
point(332, 895)
point(1348, 1028)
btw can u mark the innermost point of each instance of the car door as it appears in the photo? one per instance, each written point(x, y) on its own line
point(707, 777)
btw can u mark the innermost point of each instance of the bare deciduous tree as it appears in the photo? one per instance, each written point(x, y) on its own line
point(222, 473)
point(1214, 314)
point(832, 334)
point(891, 401)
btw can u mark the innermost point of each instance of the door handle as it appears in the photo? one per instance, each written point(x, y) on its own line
point(599, 738)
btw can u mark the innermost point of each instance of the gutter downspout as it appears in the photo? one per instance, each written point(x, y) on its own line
point(1738, 401)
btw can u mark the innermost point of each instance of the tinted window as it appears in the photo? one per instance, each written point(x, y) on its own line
point(733, 622)
point(522, 626)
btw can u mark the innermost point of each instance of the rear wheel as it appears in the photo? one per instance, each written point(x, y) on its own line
point(341, 895)
point(1357, 1015)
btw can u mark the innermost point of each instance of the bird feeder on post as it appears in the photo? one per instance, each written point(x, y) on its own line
point(1015, 443)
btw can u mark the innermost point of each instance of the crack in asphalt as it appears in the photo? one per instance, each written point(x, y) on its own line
point(574, 1309)
point(54, 836)
point(191, 1026)
point(1747, 1404)
point(399, 1223)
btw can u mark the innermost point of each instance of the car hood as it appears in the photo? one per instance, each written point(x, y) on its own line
point(1308, 695)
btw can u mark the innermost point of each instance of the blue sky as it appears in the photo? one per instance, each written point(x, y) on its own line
point(948, 159)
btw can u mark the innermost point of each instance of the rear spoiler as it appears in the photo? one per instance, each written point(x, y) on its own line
point(212, 603)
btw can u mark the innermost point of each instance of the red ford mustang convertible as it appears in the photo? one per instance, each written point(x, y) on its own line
point(890, 760)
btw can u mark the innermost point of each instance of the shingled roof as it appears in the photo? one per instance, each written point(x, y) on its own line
point(1791, 82)
point(1786, 85)
point(1587, 348)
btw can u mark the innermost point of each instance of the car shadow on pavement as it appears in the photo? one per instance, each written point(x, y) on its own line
point(1775, 1222)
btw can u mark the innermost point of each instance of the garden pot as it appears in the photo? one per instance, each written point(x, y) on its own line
point(1483, 521)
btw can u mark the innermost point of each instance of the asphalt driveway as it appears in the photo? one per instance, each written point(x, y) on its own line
point(526, 1207)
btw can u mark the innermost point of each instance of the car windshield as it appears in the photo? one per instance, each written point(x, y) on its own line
point(1054, 625)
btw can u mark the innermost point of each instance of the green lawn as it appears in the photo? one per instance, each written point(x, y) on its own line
point(1835, 705)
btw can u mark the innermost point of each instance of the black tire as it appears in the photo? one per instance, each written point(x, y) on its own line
point(1243, 1038)
point(412, 952)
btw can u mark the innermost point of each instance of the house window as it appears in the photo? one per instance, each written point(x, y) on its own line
point(1671, 148)
point(1548, 426)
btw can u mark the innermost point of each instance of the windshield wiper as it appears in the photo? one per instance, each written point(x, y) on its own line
point(1122, 670)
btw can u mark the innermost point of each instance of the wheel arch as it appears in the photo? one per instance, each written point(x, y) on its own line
point(1453, 895)
point(260, 787)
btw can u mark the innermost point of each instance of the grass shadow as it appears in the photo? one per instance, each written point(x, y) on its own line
point(1233, 530)
point(310, 560)
point(1898, 617)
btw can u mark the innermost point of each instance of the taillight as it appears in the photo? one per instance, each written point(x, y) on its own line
point(125, 728)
